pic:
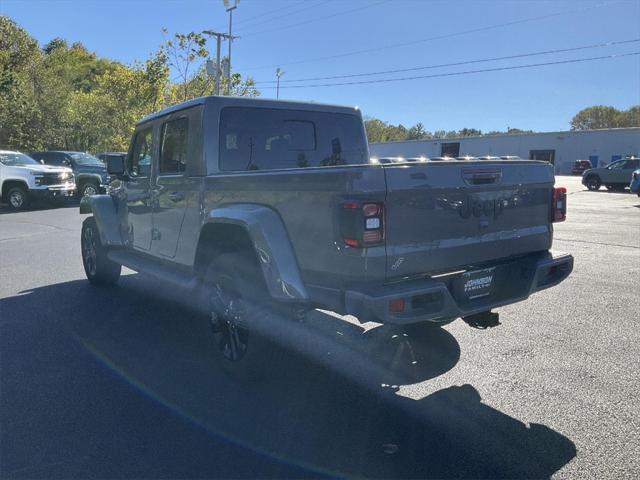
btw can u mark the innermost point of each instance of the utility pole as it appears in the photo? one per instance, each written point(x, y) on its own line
point(230, 10)
point(218, 70)
point(279, 73)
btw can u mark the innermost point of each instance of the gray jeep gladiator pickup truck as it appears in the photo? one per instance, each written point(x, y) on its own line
point(278, 202)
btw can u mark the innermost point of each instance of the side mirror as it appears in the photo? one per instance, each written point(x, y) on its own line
point(115, 166)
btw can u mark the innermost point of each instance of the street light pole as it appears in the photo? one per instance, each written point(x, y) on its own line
point(279, 73)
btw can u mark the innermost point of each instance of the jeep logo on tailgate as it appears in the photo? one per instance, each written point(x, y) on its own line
point(479, 208)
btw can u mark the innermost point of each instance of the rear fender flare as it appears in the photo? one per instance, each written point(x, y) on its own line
point(272, 246)
point(105, 213)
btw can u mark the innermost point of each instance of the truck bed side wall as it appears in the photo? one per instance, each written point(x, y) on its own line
point(307, 201)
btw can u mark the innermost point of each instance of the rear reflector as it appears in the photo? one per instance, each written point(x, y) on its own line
point(350, 205)
point(396, 305)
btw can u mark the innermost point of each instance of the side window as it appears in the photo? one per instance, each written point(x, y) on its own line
point(47, 158)
point(39, 156)
point(140, 162)
point(618, 165)
point(60, 159)
point(173, 146)
point(267, 139)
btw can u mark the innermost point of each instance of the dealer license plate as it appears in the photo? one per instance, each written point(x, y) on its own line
point(478, 283)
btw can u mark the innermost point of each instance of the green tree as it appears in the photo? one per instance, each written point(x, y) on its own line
point(417, 132)
point(599, 116)
point(379, 131)
point(470, 132)
point(629, 118)
point(187, 54)
point(19, 60)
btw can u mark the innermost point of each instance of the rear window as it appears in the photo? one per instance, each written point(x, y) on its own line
point(267, 139)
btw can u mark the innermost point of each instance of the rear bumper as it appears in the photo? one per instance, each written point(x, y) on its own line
point(437, 299)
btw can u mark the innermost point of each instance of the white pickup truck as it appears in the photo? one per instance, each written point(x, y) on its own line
point(23, 180)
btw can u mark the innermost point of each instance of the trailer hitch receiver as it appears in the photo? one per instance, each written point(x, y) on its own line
point(483, 320)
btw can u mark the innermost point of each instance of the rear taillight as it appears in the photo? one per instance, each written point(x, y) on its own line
point(559, 204)
point(362, 223)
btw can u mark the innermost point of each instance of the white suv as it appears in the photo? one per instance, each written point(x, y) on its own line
point(22, 180)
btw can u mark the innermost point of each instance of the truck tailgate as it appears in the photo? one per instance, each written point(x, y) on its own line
point(446, 216)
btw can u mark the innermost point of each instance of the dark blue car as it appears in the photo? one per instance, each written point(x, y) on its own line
point(90, 172)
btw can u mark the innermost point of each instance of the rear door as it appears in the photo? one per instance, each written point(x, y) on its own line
point(173, 187)
point(619, 172)
point(630, 166)
point(445, 216)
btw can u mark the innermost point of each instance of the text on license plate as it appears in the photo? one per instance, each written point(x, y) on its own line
point(478, 283)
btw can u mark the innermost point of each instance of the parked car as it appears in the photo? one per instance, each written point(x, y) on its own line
point(466, 158)
point(23, 180)
point(614, 176)
point(104, 155)
point(269, 204)
point(90, 173)
point(579, 166)
point(488, 157)
point(634, 186)
point(510, 157)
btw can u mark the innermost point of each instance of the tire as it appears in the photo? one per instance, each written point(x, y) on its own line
point(88, 189)
point(17, 198)
point(593, 182)
point(236, 298)
point(97, 266)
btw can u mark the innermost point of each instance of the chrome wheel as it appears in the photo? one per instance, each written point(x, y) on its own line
point(16, 199)
point(226, 322)
point(89, 254)
point(89, 189)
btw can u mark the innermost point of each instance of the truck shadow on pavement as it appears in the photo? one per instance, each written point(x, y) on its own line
point(116, 382)
point(73, 203)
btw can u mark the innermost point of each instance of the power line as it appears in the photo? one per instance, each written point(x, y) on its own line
point(287, 14)
point(429, 39)
point(343, 12)
point(286, 7)
point(466, 72)
point(412, 69)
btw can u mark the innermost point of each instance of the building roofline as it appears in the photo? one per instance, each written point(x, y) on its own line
point(563, 132)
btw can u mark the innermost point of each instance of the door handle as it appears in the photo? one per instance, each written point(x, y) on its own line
point(176, 196)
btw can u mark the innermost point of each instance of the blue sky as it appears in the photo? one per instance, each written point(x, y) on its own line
point(542, 99)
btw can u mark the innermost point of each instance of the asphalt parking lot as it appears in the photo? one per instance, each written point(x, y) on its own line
point(116, 382)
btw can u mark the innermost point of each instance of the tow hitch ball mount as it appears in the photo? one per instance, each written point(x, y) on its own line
point(483, 320)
